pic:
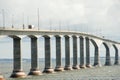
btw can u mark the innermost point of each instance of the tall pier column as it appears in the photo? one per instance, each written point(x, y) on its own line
point(17, 71)
point(75, 62)
point(48, 68)
point(58, 54)
point(67, 53)
point(34, 57)
point(108, 60)
point(82, 65)
point(96, 54)
point(116, 55)
point(88, 53)
point(96, 57)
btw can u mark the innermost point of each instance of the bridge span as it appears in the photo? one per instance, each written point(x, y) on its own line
point(33, 34)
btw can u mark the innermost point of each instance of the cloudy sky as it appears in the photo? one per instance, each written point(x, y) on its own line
point(96, 16)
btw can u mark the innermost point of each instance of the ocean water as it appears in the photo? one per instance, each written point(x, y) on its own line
point(94, 73)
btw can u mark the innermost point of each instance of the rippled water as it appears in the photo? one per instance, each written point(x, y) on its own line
point(98, 73)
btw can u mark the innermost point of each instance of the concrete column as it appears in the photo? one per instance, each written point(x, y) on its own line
point(17, 71)
point(48, 68)
point(108, 60)
point(96, 54)
point(82, 65)
point(96, 57)
point(116, 55)
point(58, 54)
point(34, 57)
point(67, 54)
point(75, 62)
point(88, 53)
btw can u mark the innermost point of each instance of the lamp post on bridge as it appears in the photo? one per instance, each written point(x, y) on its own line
point(59, 26)
point(27, 20)
point(3, 14)
point(23, 21)
point(12, 21)
point(67, 26)
point(38, 19)
point(50, 25)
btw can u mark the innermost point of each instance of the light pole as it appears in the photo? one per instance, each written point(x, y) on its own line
point(3, 13)
point(38, 19)
point(59, 25)
point(68, 26)
point(23, 22)
point(50, 25)
point(12, 21)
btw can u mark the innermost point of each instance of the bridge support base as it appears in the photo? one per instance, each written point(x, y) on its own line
point(18, 74)
point(59, 69)
point(97, 65)
point(116, 63)
point(107, 64)
point(88, 66)
point(68, 68)
point(48, 70)
point(76, 67)
point(82, 66)
point(34, 72)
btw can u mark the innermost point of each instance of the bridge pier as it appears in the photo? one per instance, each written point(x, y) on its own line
point(17, 71)
point(58, 54)
point(67, 53)
point(96, 57)
point(88, 53)
point(48, 68)
point(96, 54)
point(34, 57)
point(75, 62)
point(82, 65)
point(108, 60)
point(116, 55)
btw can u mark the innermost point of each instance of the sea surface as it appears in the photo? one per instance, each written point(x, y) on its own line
point(94, 73)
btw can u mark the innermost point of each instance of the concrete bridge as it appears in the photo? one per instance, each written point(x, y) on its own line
point(33, 34)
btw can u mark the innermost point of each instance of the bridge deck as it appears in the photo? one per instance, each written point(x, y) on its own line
point(9, 31)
